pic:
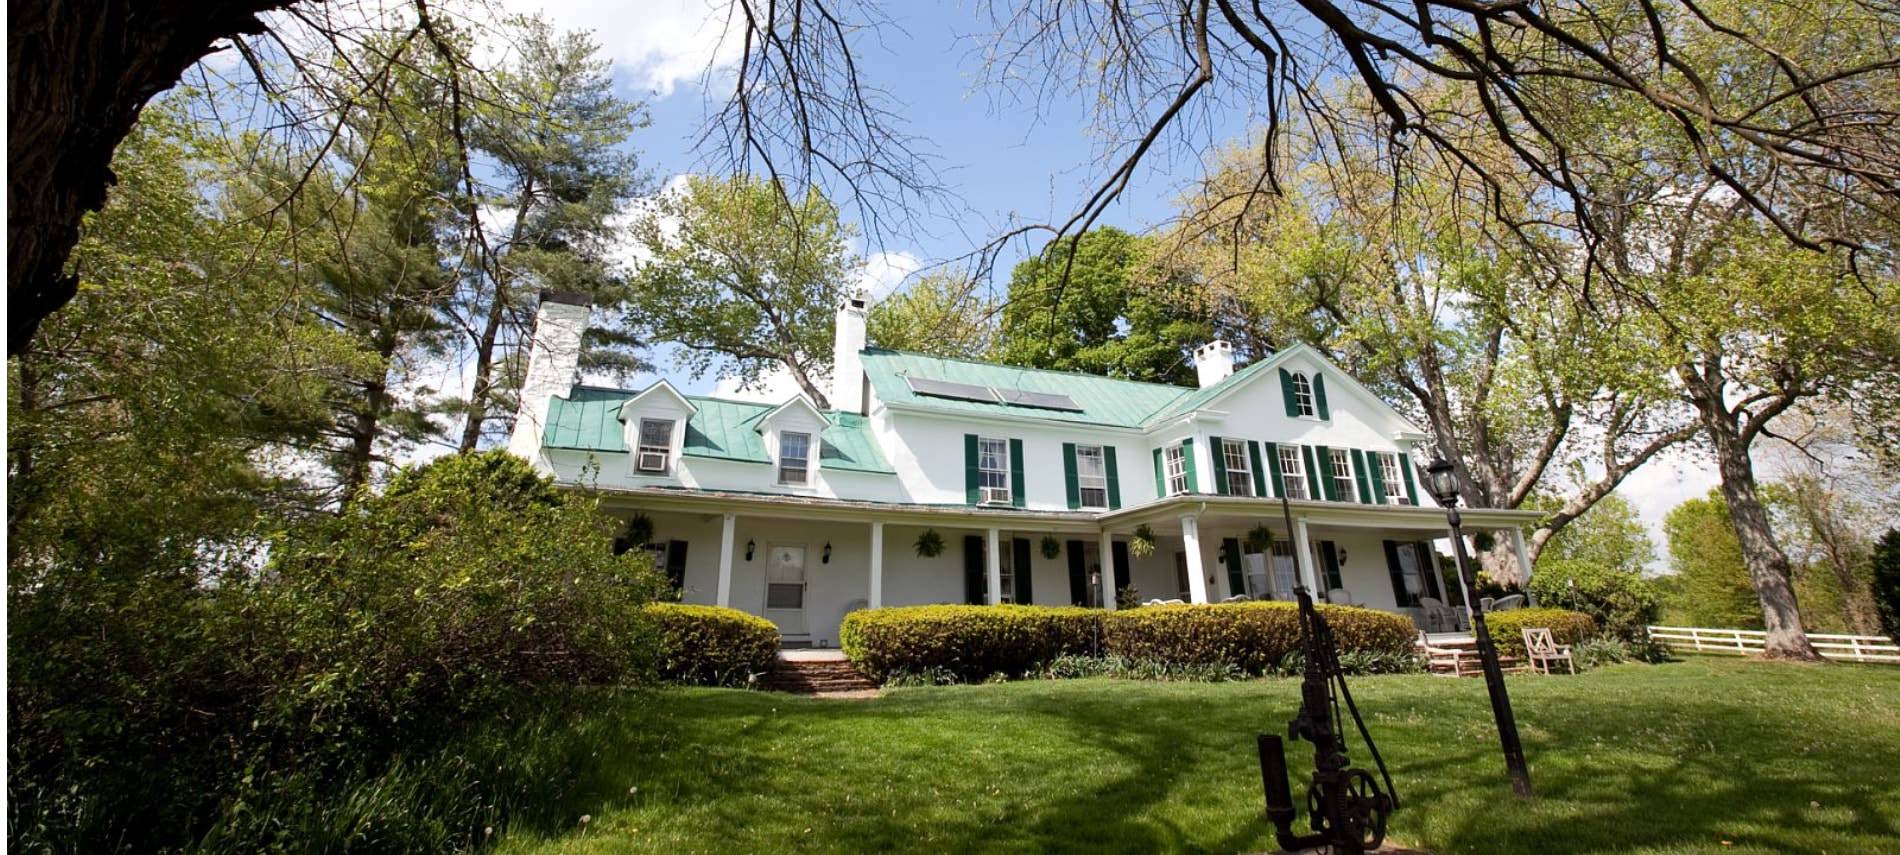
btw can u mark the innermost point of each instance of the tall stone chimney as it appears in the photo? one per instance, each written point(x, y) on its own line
point(847, 367)
point(1214, 362)
point(554, 356)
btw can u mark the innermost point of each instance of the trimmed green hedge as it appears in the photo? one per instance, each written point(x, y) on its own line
point(1567, 627)
point(1253, 637)
point(711, 645)
point(972, 643)
point(969, 642)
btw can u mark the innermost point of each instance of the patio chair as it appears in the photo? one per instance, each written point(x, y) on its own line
point(1238, 598)
point(1160, 602)
point(1446, 661)
point(1544, 651)
point(1438, 616)
point(1339, 597)
point(1505, 604)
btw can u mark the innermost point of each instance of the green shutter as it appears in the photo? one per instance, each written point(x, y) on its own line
point(975, 573)
point(1118, 551)
point(1025, 571)
point(1259, 471)
point(1236, 578)
point(1114, 478)
point(1359, 476)
point(1329, 562)
point(1187, 462)
point(1273, 468)
point(1069, 480)
point(972, 476)
point(1405, 466)
point(1286, 394)
point(1161, 477)
point(1016, 472)
point(1319, 395)
point(1325, 473)
point(1078, 574)
point(1219, 452)
point(1400, 596)
point(1375, 474)
point(1313, 489)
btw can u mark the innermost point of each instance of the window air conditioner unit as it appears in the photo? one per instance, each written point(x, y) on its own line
point(652, 461)
point(996, 495)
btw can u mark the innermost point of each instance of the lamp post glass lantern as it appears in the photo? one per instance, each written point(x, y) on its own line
point(1441, 480)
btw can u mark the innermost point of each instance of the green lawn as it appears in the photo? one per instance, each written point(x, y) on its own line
point(1708, 755)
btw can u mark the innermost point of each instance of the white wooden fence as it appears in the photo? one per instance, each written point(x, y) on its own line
point(1849, 648)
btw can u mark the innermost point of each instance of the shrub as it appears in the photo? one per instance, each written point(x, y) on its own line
point(712, 645)
point(969, 642)
point(1252, 637)
point(1567, 627)
point(1622, 603)
point(1072, 667)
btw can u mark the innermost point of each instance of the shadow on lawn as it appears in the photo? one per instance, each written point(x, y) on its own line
point(1089, 767)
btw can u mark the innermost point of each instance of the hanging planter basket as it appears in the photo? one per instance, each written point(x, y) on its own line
point(1142, 544)
point(1051, 547)
point(929, 544)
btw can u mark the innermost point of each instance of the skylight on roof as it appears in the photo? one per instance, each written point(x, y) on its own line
point(1039, 400)
point(952, 390)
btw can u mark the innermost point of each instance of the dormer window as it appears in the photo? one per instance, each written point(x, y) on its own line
point(794, 458)
point(655, 453)
point(1303, 395)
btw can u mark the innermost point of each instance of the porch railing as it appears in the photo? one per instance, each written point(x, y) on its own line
point(1741, 642)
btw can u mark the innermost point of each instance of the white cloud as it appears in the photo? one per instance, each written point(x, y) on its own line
point(657, 44)
point(1667, 480)
point(775, 387)
point(885, 272)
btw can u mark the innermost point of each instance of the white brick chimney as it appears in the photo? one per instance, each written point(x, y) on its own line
point(554, 356)
point(1214, 362)
point(847, 367)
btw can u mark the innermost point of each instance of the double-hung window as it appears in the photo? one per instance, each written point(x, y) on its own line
point(1239, 471)
point(656, 446)
point(1303, 395)
point(1342, 475)
point(1293, 472)
point(993, 464)
point(794, 457)
point(1091, 476)
point(1393, 478)
point(1175, 458)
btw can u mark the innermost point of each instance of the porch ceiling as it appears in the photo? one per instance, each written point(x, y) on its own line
point(813, 507)
point(1244, 512)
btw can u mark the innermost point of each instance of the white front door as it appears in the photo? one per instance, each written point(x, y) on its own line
point(785, 588)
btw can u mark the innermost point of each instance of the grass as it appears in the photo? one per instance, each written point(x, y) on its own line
point(1706, 755)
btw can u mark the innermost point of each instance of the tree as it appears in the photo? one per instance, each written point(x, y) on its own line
point(1084, 307)
point(1609, 536)
point(741, 283)
point(940, 314)
point(1886, 582)
point(1712, 583)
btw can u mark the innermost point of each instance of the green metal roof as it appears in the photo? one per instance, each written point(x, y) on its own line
point(1104, 400)
point(588, 419)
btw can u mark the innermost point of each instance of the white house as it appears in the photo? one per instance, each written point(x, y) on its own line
point(801, 515)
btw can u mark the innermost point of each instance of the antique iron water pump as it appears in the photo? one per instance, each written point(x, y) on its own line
point(1347, 808)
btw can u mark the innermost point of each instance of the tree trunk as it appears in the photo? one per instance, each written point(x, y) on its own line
point(805, 383)
point(1768, 567)
point(484, 375)
point(366, 423)
point(78, 73)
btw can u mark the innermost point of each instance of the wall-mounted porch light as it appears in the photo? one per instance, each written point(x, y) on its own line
point(748, 549)
point(827, 556)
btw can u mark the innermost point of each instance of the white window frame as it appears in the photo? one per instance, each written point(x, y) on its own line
point(1303, 396)
point(1174, 465)
point(803, 469)
point(1394, 479)
point(1091, 485)
point(992, 463)
point(644, 449)
point(1234, 452)
point(1293, 472)
point(1343, 482)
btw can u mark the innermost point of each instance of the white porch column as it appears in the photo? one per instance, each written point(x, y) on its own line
point(993, 561)
point(1191, 541)
point(726, 525)
point(1523, 555)
point(877, 565)
point(1108, 571)
point(1303, 559)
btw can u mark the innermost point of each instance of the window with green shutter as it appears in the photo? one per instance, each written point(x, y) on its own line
point(1087, 471)
point(1319, 396)
point(1259, 471)
point(1114, 478)
point(1187, 454)
point(1220, 465)
point(1070, 486)
point(1405, 468)
point(1366, 495)
point(972, 473)
point(1328, 487)
point(1016, 492)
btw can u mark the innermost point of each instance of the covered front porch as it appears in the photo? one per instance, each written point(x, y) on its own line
point(804, 563)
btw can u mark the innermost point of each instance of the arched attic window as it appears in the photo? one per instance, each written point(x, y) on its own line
point(1303, 394)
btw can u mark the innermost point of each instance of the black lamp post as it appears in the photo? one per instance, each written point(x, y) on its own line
point(1441, 480)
